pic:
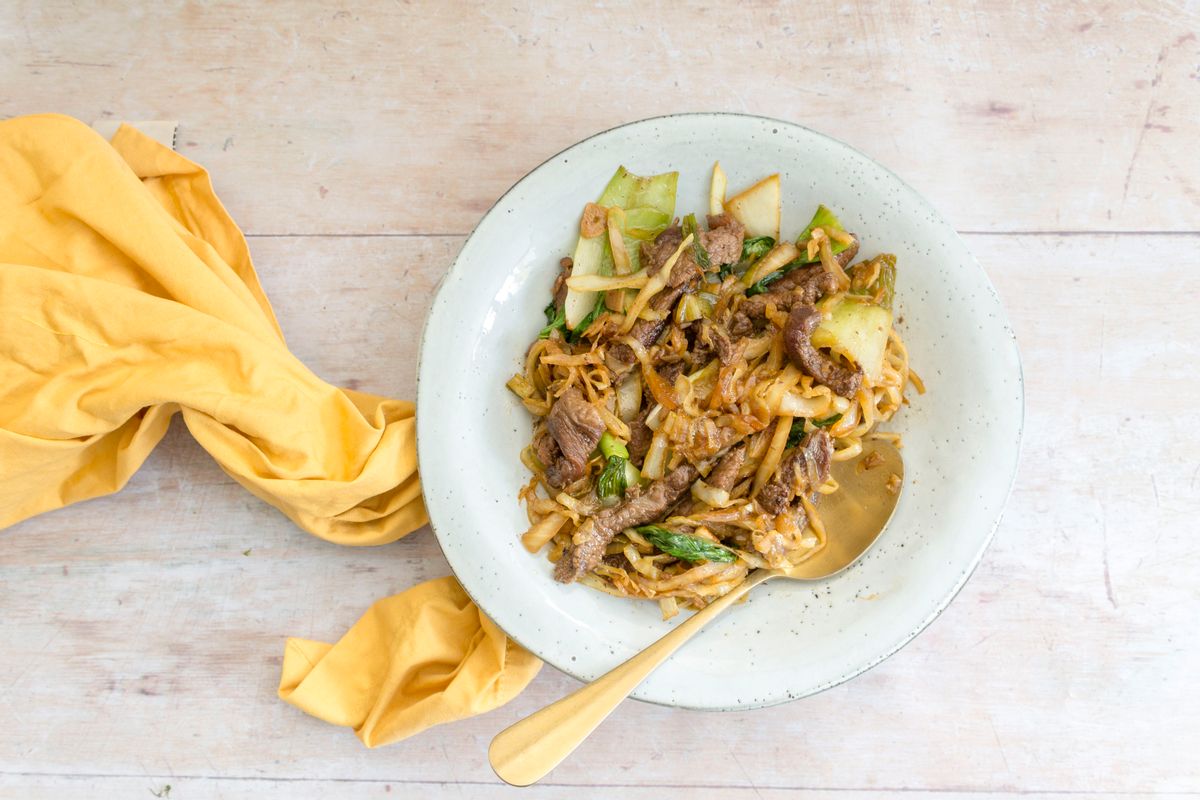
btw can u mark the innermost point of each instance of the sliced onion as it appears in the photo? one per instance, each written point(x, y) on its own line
point(793, 404)
point(654, 418)
point(777, 257)
point(629, 396)
point(542, 531)
point(710, 495)
point(654, 467)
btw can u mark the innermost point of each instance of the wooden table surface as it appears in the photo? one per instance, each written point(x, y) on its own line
point(358, 144)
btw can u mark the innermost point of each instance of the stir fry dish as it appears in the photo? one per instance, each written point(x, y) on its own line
point(693, 385)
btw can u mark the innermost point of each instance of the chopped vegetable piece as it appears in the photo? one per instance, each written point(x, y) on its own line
point(645, 223)
point(556, 320)
point(593, 256)
point(858, 331)
point(629, 396)
point(612, 446)
point(762, 285)
point(797, 432)
point(611, 483)
point(606, 283)
point(592, 222)
point(616, 240)
point(632, 476)
point(691, 308)
point(777, 258)
point(577, 334)
point(690, 228)
point(825, 219)
point(883, 287)
point(758, 207)
point(686, 546)
point(589, 253)
point(628, 191)
point(752, 250)
point(716, 192)
point(828, 422)
point(757, 247)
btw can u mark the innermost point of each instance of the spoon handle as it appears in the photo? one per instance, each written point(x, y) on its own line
point(524, 752)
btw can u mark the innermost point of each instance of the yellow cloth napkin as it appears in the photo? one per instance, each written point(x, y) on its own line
point(127, 294)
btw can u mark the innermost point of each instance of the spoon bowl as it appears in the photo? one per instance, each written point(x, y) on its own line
point(854, 516)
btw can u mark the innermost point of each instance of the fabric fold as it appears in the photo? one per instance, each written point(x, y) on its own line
point(395, 694)
point(127, 295)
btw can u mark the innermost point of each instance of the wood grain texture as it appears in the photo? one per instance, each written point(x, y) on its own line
point(142, 633)
point(361, 117)
point(142, 639)
point(36, 787)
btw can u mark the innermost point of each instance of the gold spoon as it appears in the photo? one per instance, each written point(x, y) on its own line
point(854, 515)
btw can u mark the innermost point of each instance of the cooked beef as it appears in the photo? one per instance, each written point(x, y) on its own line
point(560, 283)
point(700, 346)
point(707, 339)
point(588, 543)
point(574, 426)
point(640, 436)
point(721, 243)
point(724, 474)
point(686, 271)
point(669, 372)
point(741, 324)
point(544, 446)
point(647, 331)
point(728, 350)
point(846, 256)
point(802, 470)
point(684, 276)
point(656, 253)
point(803, 285)
point(682, 508)
point(723, 240)
point(840, 378)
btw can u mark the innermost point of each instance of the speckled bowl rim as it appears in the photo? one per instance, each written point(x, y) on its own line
point(914, 196)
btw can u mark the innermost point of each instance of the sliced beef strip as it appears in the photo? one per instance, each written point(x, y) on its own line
point(724, 474)
point(669, 372)
point(723, 240)
point(728, 350)
point(640, 436)
point(707, 339)
point(574, 426)
point(560, 283)
point(656, 253)
point(803, 285)
point(684, 276)
point(742, 324)
point(544, 446)
point(801, 322)
point(587, 544)
point(647, 331)
point(700, 346)
point(802, 470)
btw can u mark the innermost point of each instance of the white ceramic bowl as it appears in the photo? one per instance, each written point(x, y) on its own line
point(962, 438)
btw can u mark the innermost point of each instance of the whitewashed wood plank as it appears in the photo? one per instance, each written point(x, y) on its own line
point(139, 639)
point(36, 787)
point(364, 117)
